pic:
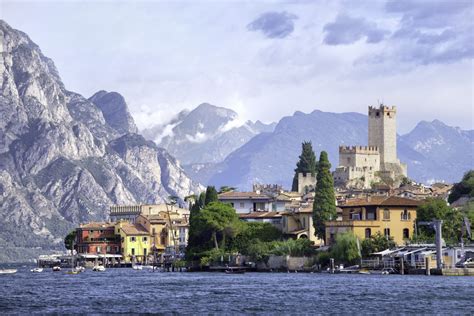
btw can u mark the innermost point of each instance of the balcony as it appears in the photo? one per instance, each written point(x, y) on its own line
point(353, 223)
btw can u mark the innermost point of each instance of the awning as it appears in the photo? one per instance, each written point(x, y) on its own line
point(385, 252)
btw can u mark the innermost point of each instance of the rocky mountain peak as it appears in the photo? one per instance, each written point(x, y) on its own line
point(65, 159)
point(115, 111)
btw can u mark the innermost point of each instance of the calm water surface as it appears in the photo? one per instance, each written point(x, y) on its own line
point(130, 291)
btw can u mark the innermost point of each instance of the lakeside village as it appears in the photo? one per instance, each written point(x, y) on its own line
point(365, 217)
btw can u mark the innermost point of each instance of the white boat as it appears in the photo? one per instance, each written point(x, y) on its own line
point(37, 270)
point(80, 269)
point(8, 271)
point(98, 268)
point(56, 268)
point(137, 267)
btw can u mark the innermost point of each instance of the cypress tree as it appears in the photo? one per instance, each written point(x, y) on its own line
point(211, 195)
point(324, 206)
point(306, 164)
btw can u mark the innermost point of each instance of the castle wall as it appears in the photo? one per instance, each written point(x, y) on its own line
point(359, 156)
point(383, 132)
point(306, 182)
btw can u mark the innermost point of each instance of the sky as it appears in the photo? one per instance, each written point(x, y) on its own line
point(263, 59)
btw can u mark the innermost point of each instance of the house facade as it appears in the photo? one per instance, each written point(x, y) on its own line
point(97, 238)
point(135, 241)
point(247, 202)
point(390, 216)
point(297, 222)
point(273, 218)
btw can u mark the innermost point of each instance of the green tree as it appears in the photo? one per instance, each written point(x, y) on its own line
point(346, 249)
point(226, 188)
point(438, 209)
point(220, 220)
point(376, 243)
point(69, 240)
point(463, 188)
point(324, 206)
point(306, 164)
point(211, 195)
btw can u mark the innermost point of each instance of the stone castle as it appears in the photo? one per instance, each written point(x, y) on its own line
point(362, 166)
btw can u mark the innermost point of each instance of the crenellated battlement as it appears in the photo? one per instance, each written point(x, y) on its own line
point(382, 110)
point(370, 150)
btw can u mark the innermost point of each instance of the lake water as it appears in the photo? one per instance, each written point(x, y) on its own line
point(130, 291)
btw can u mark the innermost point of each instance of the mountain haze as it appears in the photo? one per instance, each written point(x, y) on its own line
point(206, 134)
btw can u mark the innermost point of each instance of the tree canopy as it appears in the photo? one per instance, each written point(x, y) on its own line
point(211, 195)
point(376, 243)
point(346, 248)
point(463, 188)
point(306, 164)
point(69, 240)
point(324, 206)
point(438, 209)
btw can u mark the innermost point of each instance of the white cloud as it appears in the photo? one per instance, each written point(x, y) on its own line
point(170, 56)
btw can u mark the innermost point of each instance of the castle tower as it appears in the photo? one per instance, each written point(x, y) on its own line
point(383, 132)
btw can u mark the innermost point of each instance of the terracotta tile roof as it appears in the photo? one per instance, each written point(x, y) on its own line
point(243, 196)
point(261, 215)
point(381, 201)
point(134, 229)
point(97, 225)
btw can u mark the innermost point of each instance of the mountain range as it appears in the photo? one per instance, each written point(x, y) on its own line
point(65, 159)
point(433, 151)
point(207, 134)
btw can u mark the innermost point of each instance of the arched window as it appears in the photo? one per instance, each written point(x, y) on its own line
point(406, 233)
point(368, 233)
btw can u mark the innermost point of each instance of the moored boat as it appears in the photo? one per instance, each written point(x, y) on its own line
point(98, 268)
point(8, 271)
point(234, 271)
point(56, 268)
point(37, 270)
point(137, 267)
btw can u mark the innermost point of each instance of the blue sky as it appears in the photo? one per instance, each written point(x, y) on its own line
point(264, 59)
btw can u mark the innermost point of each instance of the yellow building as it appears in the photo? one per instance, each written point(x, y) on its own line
point(391, 216)
point(298, 222)
point(166, 231)
point(135, 241)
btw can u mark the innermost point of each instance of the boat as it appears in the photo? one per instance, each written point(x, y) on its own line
point(73, 272)
point(80, 269)
point(234, 271)
point(8, 271)
point(98, 269)
point(56, 268)
point(137, 267)
point(37, 270)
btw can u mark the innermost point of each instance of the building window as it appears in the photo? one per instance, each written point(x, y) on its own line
point(154, 231)
point(132, 239)
point(133, 251)
point(241, 204)
point(406, 233)
point(355, 216)
point(386, 232)
point(386, 214)
point(144, 252)
point(368, 233)
point(145, 239)
point(99, 249)
point(405, 215)
point(108, 249)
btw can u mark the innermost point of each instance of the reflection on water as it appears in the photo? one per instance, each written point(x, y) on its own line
point(131, 291)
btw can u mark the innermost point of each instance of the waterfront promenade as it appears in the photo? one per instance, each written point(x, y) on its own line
point(130, 291)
